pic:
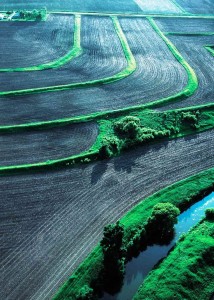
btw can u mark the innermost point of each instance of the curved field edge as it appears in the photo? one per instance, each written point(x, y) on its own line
point(189, 90)
point(210, 48)
point(158, 121)
point(187, 271)
point(131, 67)
point(182, 194)
point(75, 51)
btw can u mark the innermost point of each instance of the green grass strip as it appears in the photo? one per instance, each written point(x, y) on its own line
point(187, 271)
point(192, 84)
point(181, 194)
point(210, 48)
point(138, 15)
point(74, 52)
point(190, 33)
point(150, 119)
point(190, 88)
point(131, 67)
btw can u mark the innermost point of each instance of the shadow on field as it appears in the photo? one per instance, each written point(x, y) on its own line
point(24, 23)
point(127, 160)
point(98, 171)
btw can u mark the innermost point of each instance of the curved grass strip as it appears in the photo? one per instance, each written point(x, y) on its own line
point(210, 49)
point(184, 272)
point(192, 84)
point(131, 67)
point(182, 194)
point(106, 130)
point(74, 52)
point(190, 34)
point(190, 88)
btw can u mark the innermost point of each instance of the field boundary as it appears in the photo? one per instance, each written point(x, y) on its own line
point(137, 15)
point(190, 88)
point(182, 194)
point(210, 48)
point(190, 33)
point(75, 51)
point(93, 153)
point(131, 67)
point(179, 6)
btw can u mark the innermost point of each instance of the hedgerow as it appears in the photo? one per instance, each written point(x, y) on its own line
point(181, 194)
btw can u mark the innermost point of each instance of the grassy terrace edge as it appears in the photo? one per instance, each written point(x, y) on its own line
point(75, 51)
point(182, 194)
point(131, 67)
point(188, 90)
point(106, 130)
point(186, 271)
point(210, 48)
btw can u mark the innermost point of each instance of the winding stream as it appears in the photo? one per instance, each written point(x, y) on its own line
point(138, 268)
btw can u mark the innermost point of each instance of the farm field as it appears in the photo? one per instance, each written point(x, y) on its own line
point(52, 238)
point(35, 43)
point(36, 146)
point(102, 105)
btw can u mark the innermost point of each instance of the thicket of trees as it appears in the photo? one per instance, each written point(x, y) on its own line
point(34, 14)
point(113, 261)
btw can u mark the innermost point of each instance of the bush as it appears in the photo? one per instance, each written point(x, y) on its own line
point(111, 146)
point(209, 213)
point(34, 14)
point(162, 220)
point(113, 260)
point(86, 293)
point(191, 118)
point(128, 126)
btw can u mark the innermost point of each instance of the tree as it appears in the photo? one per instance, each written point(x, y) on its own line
point(128, 126)
point(111, 146)
point(162, 220)
point(113, 260)
point(209, 213)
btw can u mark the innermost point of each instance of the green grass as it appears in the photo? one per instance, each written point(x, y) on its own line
point(210, 49)
point(187, 272)
point(131, 67)
point(74, 52)
point(182, 194)
point(187, 91)
point(190, 33)
point(158, 121)
point(192, 84)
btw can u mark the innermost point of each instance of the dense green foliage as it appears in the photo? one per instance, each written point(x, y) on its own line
point(181, 194)
point(39, 15)
point(187, 272)
point(86, 293)
point(162, 220)
point(210, 214)
point(152, 127)
point(113, 262)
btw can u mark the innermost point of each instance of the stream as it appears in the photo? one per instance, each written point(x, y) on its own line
point(138, 268)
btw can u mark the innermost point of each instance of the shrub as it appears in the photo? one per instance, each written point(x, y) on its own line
point(209, 213)
point(128, 126)
point(162, 220)
point(111, 146)
point(191, 118)
point(113, 260)
point(86, 293)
